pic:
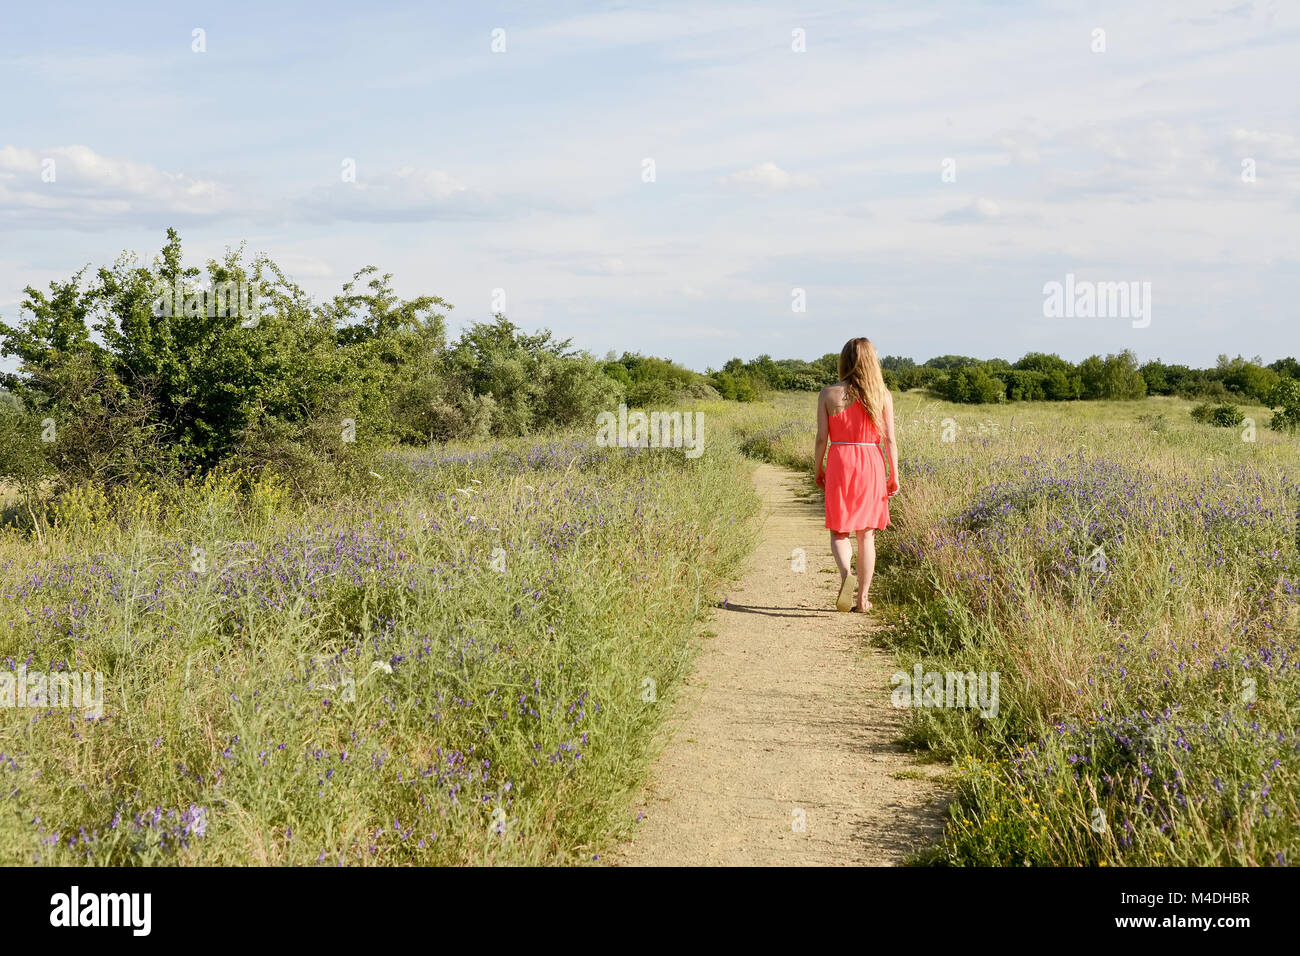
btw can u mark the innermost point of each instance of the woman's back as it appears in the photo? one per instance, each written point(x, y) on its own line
point(853, 424)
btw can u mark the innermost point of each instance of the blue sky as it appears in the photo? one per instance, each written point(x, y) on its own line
point(774, 169)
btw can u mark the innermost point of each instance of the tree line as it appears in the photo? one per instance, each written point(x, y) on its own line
point(155, 370)
point(1035, 377)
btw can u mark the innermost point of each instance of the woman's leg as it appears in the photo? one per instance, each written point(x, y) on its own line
point(866, 566)
point(842, 550)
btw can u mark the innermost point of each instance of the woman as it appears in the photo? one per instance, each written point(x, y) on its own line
point(860, 473)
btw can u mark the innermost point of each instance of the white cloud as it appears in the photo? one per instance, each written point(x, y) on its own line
point(981, 210)
point(76, 186)
point(407, 194)
point(768, 176)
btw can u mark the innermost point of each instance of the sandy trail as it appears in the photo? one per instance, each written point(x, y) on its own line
point(787, 712)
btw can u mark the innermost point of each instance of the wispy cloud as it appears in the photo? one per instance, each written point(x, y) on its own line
point(768, 176)
point(980, 210)
point(406, 194)
point(74, 186)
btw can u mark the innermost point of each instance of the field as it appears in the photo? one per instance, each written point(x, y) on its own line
point(1127, 574)
point(449, 667)
point(466, 660)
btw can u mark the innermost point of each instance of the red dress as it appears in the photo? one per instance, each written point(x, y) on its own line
point(856, 495)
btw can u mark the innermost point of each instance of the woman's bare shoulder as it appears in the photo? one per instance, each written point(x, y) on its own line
point(836, 392)
point(834, 398)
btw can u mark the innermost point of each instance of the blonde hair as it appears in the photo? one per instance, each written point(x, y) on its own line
point(860, 371)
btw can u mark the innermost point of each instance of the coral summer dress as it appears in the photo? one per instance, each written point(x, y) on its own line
point(856, 473)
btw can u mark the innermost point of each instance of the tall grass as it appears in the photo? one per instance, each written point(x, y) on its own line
point(360, 683)
point(1130, 575)
point(465, 662)
point(1127, 572)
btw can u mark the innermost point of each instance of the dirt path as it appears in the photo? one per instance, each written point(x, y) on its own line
point(787, 712)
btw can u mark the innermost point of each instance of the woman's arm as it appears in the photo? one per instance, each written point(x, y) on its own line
point(891, 445)
point(823, 436)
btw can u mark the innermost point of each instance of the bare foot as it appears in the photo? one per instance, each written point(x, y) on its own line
point(844, 599)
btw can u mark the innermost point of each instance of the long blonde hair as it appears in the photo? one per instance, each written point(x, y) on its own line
point(860, 371)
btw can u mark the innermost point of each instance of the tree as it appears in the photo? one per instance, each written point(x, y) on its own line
point(1286, 367)
point(972, 385)
point(948, 362)
point(895, 363)
point(1154, 375)
point(23, 461)
point(1024, 386)
point(1115, 377)
point(1042, 362)
point(1286, 399)
point(1250, 379)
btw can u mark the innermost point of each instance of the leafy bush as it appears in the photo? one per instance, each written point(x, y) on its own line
point(763, 374)
point(1226, 416)
point(536, 383)
point(1025, 386)
point(648, 381)
point(735, 387)
point(1286, 399)
point(24, 462)
point(1223, 415)
point(144, 370)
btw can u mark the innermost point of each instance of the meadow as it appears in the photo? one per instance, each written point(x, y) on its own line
point(466, 659)
point(1126, 571)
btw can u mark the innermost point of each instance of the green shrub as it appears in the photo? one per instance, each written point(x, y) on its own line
point(1221, 415)
point(1226, 416)
point(1286, 399)
point(735, 387)
point(176, 380)
point(536, 383)
point(647, 381)
point(24, 461)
